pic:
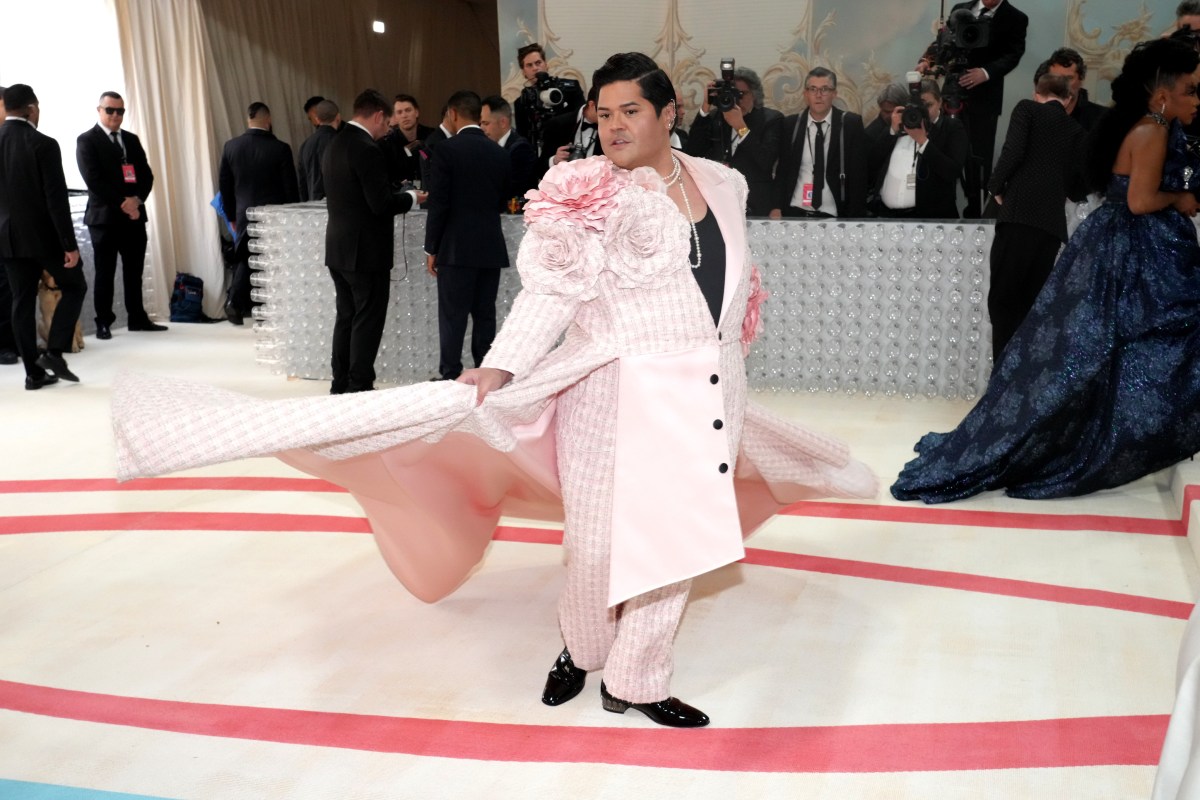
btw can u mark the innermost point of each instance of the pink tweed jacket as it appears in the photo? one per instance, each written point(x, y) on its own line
point(605, 261)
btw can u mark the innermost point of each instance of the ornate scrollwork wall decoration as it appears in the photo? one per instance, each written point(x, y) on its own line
point(1104, 58)
point(558, 58)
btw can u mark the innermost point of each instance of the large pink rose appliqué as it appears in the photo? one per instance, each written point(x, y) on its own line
point(752, 324)
point(583, 192)
point(646, 238)
point(556, 259)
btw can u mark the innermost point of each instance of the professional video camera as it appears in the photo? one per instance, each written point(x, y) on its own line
point(915, 114)
point(1189, 36)
point(546, 98)
point(950, 53)
point(723, 95)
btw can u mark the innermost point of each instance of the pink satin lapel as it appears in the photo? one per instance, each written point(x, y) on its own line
point(732, 221)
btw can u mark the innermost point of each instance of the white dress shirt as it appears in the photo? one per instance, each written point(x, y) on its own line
point(828, 198)
point(896, 193)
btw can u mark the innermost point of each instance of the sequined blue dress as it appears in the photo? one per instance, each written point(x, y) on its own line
point(1101, 383)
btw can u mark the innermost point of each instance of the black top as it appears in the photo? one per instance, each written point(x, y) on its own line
point(710, 275)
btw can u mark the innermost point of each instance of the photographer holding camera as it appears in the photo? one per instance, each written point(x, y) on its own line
point(542, 98)
point(921, 160)
point(743, 134)
point(572, 136)
point(975, 58)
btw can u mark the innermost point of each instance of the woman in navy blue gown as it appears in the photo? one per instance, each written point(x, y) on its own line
point(1101, 383)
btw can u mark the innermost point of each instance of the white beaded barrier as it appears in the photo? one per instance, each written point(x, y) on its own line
point(877, 307)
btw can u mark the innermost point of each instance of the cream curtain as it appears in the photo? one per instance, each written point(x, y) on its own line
point(162, 42)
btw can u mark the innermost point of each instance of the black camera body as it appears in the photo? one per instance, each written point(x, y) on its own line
point(915, 115)
point(723, 95)
point(951, 54)
point(549, 93)
point(577, 152)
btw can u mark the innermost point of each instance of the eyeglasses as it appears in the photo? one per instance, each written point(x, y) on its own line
point(820, 89)
point(120, 112)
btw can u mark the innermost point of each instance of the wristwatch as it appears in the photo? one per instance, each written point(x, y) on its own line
point(742, 131)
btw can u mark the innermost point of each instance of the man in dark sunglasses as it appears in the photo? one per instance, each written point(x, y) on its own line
point(119, 180)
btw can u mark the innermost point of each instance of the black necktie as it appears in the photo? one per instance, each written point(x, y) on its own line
point(587, 126)
point(117, 141)
point(819, 166)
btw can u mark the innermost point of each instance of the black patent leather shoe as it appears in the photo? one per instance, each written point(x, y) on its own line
point(32, 383)
point(564, 682)
point(232, 314)
point(103, 331)
point(58, 365)
point(147, 326)
point(671, 712)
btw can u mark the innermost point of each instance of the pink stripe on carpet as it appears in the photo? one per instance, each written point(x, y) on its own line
point(990, 519)
point(931, 747)
point(229, 484)
point(182, 521)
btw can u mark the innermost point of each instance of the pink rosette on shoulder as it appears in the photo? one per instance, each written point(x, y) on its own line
point(752, 324)
point(582, 192)
point(648, 179)
point(558, 259)
point(646, 238)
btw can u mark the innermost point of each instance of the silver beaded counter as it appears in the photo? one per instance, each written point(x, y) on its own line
point(877, 307)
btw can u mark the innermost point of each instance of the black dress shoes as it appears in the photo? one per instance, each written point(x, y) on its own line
point(564, 681)
point(56, 364)
point(232, 314)
point(670, 712)
point(9, 357)
point(103, 331)
point(146, 326)
point(32, 383)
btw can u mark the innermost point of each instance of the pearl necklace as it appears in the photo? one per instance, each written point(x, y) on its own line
point(676, 177)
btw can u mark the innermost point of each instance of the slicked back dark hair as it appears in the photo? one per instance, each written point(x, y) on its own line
point(1062, 57)
point(406, 98)
point(312, 101)
point(113, 95)
point(255, 109)
point(522, 52)
point(467, 104)
point(498, 106)
point(642, 70)
point(369, 101)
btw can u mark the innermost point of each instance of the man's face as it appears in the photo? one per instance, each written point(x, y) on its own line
point(990, 4)
point(820, 95)
point(885, 109)
point(404, 115)
point(745, 96)
point(111, 112)
point(932, 105)
point(532, 64)
point(1074, 82)
point(1190, 20)
point(494, 125)
point(377, 124)
point(589, 112)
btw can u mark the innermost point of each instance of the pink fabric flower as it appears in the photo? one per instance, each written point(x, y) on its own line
point(583, 192)
point(556, 259)
point(646, 238)
point(752, 324)
point(649, 179)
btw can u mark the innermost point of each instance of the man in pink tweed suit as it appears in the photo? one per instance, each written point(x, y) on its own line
point(636, 428)
point(613, 261)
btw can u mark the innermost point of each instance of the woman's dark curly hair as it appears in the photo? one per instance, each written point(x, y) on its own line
point(1149, 66)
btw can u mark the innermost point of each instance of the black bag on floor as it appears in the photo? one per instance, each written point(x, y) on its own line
point(187, 298)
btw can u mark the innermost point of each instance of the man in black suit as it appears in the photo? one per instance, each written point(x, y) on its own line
point(983, 86)
point(464, 244)
point(496, 122)
point(1069, 63)
point(889, 99)
point(8, 344)
point(822, 169)
point(405, 140)
point(36, 234)
point(118, 177)
point(532, 111)
point(919, 167)
point(746, 137)
point(1037, 171)
point(256, 170)
point(309, 176)
point(359, 240)
point(573, 135)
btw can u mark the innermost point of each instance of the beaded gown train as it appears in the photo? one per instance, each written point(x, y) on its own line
point(1101, 383)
